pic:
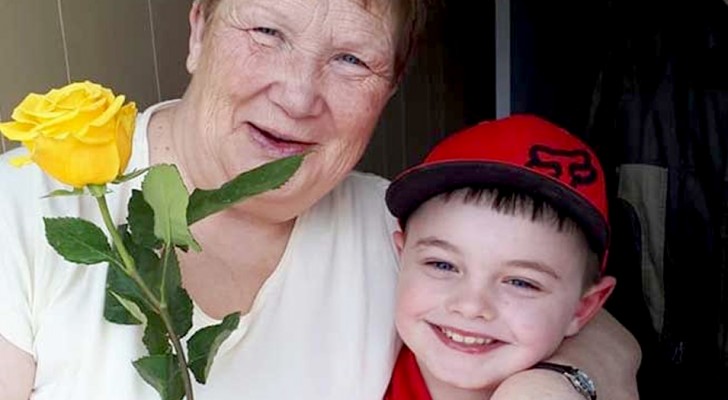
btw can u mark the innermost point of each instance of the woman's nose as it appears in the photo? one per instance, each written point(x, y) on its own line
point(297, 91)
point(473, 302)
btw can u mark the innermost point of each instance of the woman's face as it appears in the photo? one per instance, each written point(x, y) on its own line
point(272, 78)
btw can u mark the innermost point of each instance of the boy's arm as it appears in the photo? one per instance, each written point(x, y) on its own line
point(606, 351)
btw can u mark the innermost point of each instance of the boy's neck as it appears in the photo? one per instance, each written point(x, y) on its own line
point(443, 391)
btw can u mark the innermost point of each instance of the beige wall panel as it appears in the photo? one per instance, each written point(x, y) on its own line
point(31, 50)
point(110, 42)
point(171, 31)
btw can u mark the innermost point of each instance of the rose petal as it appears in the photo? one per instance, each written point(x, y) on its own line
point(18, 131)
point(75, 163)
point(125, 134)
point(64, 125)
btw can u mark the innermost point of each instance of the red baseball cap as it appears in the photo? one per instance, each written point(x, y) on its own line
point(521, 152)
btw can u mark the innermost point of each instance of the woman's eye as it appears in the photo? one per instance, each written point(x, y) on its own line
point(267, 31)
point(522, 284)
point(442, 266)
point(267, 37)
point(352, 59)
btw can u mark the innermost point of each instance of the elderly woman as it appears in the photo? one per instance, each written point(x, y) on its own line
point(311, 266)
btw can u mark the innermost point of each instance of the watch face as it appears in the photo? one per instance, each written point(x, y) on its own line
point(582, 383)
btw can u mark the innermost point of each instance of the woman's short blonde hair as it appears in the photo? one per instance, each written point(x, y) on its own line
point(410, 15)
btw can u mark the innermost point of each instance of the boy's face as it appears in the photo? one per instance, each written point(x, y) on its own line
point(483, 295)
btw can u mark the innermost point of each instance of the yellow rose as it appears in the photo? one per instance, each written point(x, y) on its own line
point(80, 134)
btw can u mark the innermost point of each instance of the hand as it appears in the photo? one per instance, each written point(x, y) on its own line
point(17, 372)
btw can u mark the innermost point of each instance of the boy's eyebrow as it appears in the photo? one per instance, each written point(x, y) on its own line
point(432, 241)
point(535, 265)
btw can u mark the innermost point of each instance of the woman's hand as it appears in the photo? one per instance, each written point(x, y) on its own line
point(606, 351)
point(17, 371)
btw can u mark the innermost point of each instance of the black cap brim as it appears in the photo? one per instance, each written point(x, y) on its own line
point(417, 185)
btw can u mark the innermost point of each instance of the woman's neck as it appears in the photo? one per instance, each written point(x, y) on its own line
point(440, 390)
point(238, 256)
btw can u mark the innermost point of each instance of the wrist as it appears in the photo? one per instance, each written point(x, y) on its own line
point(536, 384)
point(577, 378)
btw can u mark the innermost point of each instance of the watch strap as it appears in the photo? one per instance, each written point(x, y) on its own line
point(576, 377)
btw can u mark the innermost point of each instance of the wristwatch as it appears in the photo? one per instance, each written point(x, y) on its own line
point(578, 379)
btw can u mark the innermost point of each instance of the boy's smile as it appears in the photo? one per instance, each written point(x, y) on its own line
point(467, 342)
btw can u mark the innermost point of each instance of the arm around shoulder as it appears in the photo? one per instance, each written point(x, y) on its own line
point(604, 349)
point(17, 372)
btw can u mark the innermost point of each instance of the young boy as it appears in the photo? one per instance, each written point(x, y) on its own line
point(503, 245)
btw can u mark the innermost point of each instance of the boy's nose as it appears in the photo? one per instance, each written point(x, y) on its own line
point(473, 303)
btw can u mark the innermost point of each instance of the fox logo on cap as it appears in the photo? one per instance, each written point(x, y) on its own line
point(577, 163)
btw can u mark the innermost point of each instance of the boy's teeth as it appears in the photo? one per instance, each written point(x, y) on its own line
point(456, 337)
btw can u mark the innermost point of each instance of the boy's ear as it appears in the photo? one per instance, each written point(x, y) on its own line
point(398, 237)
point(591, 302)
point(197, 33)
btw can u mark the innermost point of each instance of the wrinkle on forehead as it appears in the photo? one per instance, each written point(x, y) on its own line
point(343, 23)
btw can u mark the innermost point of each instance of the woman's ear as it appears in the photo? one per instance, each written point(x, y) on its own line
point(590, 303)
point(398, 238)
point(198, 24)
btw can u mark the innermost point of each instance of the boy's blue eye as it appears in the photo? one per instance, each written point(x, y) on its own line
point(442, 266)
point(523, 284)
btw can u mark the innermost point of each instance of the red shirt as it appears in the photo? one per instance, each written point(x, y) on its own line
point(407, 382)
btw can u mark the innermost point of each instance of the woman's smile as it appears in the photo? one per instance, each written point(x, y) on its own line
point(277, 144)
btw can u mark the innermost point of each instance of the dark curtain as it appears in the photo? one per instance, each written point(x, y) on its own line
point(646, 84)
point(659, 120)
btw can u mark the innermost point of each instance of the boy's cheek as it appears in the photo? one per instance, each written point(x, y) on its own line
point(416, 293)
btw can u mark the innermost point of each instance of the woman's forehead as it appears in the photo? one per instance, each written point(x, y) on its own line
point(346, 17)
point(379, 8)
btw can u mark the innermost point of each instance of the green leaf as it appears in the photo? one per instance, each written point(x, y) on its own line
point(118, 282)
point(141, 221)
point(148, 266)
point(61, 193)
point(163, 373)
point(131, 307)
point(78, 241)
point(266, 177)
point(155, 335)
point(176, 298)
point(204, 344)
point(165, 192)
point(131, 175)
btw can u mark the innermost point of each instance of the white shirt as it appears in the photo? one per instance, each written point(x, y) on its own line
point(321, 326)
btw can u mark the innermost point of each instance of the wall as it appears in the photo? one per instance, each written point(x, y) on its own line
point(133, 46)
point(138, 47)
